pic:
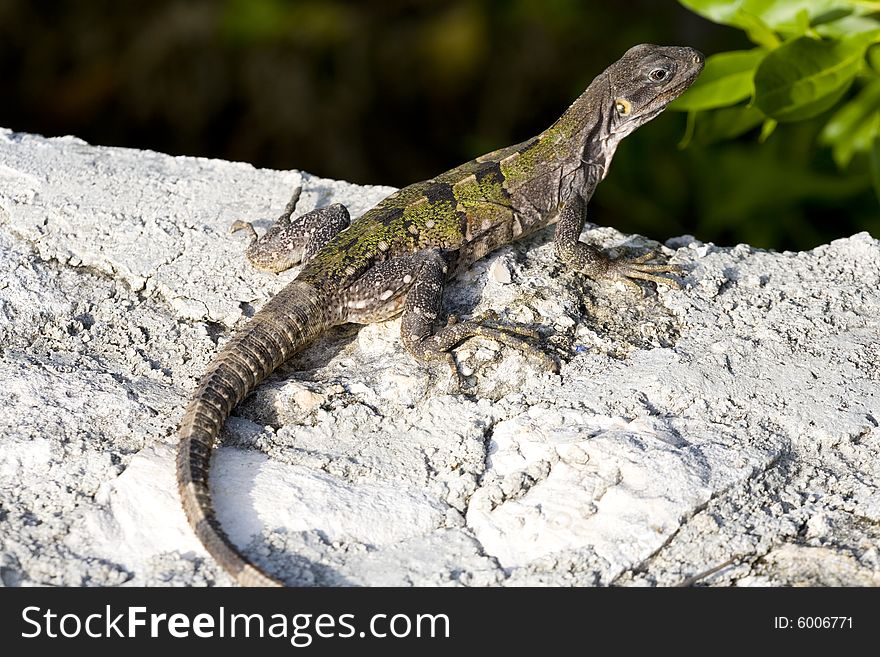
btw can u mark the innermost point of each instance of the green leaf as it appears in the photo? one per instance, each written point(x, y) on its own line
point(851, 115)
point(718, 11)
point(853, 127)
point(793, 16)
point(874, 58)
point(744, 14)
point(726, 123)
point(726, 80)
point(847, 26)
point(831, 16)
point(803, 23)
point(685, 140)
point(758, 31)
point(804, 77)
point(767, 129)
point(779, 15)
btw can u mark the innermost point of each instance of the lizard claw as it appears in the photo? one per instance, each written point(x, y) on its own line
point(489, 316)
point(491, 320)
point(629, 270)
point(512, 336)
point(454, 385)
point(441, 343)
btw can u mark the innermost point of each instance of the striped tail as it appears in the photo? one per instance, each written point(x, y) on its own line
point(285, 324)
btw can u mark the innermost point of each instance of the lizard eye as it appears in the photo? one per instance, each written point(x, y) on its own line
point(659, 74)
point(623, 106)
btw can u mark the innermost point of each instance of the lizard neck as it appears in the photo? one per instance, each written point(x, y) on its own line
point(590, 143)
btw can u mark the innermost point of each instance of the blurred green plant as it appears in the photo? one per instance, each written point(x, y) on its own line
point(393, 92)
point(809, 54)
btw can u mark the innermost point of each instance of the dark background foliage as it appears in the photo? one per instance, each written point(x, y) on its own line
point(396, 91)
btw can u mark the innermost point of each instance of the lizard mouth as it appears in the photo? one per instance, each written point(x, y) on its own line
point(660, 103)
point(682, 86)
point(697, 62)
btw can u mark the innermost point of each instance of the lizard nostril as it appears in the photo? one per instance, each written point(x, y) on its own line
point(698, 58)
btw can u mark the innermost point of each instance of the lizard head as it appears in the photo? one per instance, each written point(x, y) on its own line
point(645, 80)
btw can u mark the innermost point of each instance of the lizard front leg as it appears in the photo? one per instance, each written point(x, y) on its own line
point(421, 308)
point(291, 241)
point(596, 264)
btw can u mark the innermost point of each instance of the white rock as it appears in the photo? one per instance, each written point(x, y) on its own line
point(685, 430)
point(499, 271)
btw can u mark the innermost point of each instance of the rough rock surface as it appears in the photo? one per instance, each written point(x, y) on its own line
point(733, 423)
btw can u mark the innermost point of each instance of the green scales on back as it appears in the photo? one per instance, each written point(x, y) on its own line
point(453, 210)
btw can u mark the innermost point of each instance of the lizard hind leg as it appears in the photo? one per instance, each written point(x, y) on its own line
point(421, 308)
point(293, 240)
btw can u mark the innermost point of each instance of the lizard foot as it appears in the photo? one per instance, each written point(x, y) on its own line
point(628, 270)
point(238, 225)
point(490, 319)
point(283, 218)
point(440, 345)
point(486, 326)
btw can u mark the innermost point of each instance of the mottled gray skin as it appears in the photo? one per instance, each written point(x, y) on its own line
point(397, 257)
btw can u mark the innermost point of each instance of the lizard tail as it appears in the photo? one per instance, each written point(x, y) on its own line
point(285, 324)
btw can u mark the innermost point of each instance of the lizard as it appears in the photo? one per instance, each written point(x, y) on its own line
point(395, 258)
